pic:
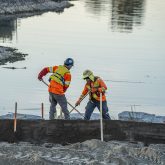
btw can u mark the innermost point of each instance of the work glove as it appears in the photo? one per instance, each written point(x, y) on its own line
point(78, 102)
point(42, 73)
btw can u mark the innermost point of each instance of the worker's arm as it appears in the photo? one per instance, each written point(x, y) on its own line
point(67, 78)
point(103, 86)
point(84, 92)
point(46, 70)
point(43, 73)
point(52, 69)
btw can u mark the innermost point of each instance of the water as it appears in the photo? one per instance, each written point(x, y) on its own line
point(120, 41)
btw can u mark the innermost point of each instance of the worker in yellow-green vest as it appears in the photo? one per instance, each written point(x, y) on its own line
point(59, 83)
point(96, 86)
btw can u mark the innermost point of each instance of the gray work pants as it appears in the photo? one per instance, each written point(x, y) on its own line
point(61, 100)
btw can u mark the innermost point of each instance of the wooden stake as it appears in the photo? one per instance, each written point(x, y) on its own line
point(42, 110)
point(15, 118)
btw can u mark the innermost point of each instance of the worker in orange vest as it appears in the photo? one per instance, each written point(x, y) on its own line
point(59, 83)
point(96, 86)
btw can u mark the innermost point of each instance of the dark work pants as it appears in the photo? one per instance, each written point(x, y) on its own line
point(92, 104)
point(61, 100)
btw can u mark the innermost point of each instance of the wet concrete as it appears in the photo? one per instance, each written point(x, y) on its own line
point(71, 131)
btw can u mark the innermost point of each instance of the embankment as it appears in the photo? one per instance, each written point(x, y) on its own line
point(71, 131)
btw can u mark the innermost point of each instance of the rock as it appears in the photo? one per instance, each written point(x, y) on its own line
point(140, 117)
point(20, 116)
point(9, 7)
point(11, 55)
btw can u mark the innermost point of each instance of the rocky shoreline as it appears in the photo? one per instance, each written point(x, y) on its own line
point(10, 55)
point(11, 9)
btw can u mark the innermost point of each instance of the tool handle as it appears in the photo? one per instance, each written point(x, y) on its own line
point(44, 82)
point(74, 108)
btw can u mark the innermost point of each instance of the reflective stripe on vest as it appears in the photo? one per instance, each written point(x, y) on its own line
point(58, 76)
point(51, 69)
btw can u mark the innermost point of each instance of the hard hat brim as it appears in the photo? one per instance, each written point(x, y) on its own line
point(91, 77)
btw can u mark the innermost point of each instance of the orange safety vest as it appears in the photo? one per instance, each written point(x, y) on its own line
point(59, 80)
point(98, 83)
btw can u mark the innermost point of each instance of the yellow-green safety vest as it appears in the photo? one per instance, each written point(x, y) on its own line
point(58, 76)
point(95, 85)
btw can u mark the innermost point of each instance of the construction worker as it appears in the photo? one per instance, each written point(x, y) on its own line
point(94, 85)
point(59, 83)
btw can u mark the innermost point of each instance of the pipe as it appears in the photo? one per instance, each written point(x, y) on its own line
point(101, 117)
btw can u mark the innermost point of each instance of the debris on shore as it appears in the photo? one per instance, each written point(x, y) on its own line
point(8, 67)
point(11, 7)
point(10, 55)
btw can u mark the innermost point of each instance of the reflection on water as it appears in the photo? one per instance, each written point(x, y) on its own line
point(8, 27)
point(123, 14)
point(97, 6)
point(126, 14)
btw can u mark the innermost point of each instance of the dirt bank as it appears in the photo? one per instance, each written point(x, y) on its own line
point(72, 131)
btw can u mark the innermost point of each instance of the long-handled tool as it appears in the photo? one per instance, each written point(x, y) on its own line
point(44, 82)
point(74, 108)
point(80, 101)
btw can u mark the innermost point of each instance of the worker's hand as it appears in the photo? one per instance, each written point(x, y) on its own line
point(101, 90)
point(78, 102)
point(39, 77)
point(93, 90)
point(42, 73)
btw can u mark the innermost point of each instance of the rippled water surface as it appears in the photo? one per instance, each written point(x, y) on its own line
point(122, 41)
